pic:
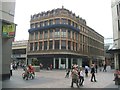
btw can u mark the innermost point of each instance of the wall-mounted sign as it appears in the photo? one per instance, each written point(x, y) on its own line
point(8, 30)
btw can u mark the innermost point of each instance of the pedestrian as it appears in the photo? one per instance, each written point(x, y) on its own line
point(100, 67)
point(67, 73)
point(86, 71)
point(96, 67)
point(75, 77)
point(11, 68)
point(81, 76)
point(104, 68)
point(93, 73)
point(51, 66)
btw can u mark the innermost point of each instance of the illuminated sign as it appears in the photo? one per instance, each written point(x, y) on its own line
point(8, 30)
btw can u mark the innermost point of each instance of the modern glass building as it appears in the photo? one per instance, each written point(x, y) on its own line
point(61, 38)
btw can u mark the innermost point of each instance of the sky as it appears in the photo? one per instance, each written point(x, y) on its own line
point(97, 14)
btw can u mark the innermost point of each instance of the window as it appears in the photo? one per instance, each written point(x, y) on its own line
point(51, 34)
point(32, 26)
point(46, 23)
point(36, 25)
point(73, 24)
point(69, 45)
point(64, 21)
point(31, 36)
point(69, 34)
point(69, 22)
point(57, 21)
point(45, 45)
point(50, 22)
point(41, 24)
point(36, 45)
point(41, 34)
point(63, 44)
point(40, 46)
point(76, 47)
point(31, 46)
point(57, 43)
point(63, 61)
point(45, 34)
point(50, 44)
point(57, 32)
point(63, 33)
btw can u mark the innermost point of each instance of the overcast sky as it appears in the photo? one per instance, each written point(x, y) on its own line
point(97, 14)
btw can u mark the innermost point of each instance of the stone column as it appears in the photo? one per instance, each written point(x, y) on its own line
point(59, 63)
point(66, 63)
point(54, 63)
point(71, 62)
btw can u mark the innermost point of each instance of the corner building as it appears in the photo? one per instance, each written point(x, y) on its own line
point(61, 38)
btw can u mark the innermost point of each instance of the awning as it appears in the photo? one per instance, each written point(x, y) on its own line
point(113, 51)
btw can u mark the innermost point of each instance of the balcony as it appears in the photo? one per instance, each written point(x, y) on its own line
point(53, 27)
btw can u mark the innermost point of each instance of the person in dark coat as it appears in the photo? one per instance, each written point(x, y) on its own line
point(96, 67)
point(104, 68)
point(93, 73)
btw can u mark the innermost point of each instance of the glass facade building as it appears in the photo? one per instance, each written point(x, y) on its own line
point(61, 38)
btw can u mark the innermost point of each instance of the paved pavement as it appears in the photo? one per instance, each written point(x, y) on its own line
point(56, 79)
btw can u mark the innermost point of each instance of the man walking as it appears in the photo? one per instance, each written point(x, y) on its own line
point(93, 73)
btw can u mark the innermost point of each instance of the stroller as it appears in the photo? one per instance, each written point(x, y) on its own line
point(29, 75)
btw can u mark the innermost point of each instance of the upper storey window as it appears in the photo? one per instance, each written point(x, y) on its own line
point(46, 23)
point(41, 24)
point(57, 32)
point(45, 34)
point(32, 26)
point(31, 36)
point(51, 22)
point(36, 25)
point(51, 34)
point(69, 22)
point(63, 33)
point(64, 21)
point(57, 21)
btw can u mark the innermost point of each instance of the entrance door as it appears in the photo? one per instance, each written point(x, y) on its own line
point(56, 63)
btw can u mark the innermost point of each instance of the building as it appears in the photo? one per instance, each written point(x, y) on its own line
point(19, 51)
point(115, 5)
point(61, 38)
point(7, 33)
point(109, 58)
